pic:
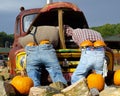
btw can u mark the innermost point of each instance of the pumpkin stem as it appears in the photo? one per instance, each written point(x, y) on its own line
point(93, 71)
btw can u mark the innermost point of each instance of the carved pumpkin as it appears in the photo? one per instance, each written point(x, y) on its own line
point(22, 84)
point(95, 80)
point(116, 78)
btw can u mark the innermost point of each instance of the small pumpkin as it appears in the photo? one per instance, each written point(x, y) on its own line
point(95, 80)
point(22, 84)
point(116, 78)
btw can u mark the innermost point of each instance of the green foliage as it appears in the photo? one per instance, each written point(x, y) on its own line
point(108, 29)
point(5, 39)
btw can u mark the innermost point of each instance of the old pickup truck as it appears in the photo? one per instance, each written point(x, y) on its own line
point(54, 14)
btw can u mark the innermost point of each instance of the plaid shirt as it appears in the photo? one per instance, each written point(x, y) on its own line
point(80, 35)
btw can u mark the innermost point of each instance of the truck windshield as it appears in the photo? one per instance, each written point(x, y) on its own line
point(27, 20)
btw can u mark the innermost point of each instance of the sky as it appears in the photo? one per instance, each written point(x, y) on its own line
point(97, 12)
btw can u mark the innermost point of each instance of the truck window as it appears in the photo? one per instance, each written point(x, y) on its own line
point(27, 20)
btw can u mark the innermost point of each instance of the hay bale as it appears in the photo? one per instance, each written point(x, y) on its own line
point(110, 91)
point(79, 88)
point(43, 91)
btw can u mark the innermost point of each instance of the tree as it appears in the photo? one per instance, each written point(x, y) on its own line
point(5, 38)
point(108, 29)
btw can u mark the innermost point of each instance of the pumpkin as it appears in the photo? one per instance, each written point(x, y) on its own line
point(116, 78)
point(22, 84)
point(95, 80)
point(99, 43)
point(86, 43)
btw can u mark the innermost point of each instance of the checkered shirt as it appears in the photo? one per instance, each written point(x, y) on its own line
point(80, 35)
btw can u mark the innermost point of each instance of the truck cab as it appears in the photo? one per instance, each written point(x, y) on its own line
point(53, 14)
point(22, 23)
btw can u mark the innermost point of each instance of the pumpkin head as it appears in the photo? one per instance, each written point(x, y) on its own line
point(99, 43)
point(95, 80)
point(86, 43)
point(116, 78)
point(22, 84)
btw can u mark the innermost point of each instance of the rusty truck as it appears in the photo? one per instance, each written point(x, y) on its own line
point(53, 14)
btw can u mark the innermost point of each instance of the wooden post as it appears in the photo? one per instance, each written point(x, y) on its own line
point(61, 33)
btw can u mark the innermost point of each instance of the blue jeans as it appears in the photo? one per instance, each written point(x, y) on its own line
point(43, 55)
point(90, 60)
